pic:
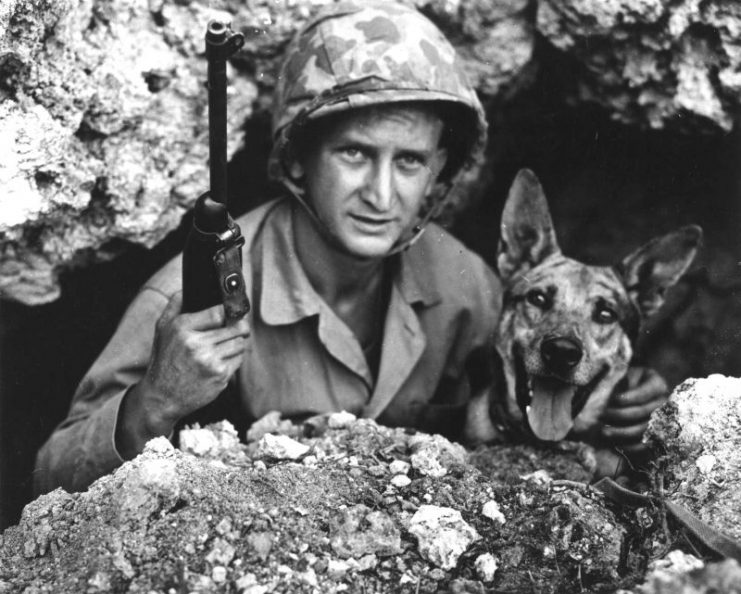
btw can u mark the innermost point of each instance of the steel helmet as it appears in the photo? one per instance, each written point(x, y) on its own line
point(356, 54)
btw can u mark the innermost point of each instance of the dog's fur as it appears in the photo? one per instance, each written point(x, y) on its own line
point(566, 333)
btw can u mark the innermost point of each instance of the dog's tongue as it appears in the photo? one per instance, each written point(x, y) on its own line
point(549, 414)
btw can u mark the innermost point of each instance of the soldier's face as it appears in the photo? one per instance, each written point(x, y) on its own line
point(368, 174)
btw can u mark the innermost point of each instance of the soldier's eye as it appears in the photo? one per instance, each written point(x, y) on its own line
point(604, 314)
point(352, 154)
point(538, 298)
point(410, 163)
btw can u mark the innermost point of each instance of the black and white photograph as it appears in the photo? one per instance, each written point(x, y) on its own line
point(374, 297)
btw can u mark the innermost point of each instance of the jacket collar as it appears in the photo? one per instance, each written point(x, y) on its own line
point(287, 295)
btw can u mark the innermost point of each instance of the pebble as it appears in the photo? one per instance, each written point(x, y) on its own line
point(341, 420)
point(491, 510)
point(218, 574)
point(705, 463)
point(442, 534)
point(539, 477)
point(400, 481)
point(486, 566)
point(337, 568)
point(399, 467)
point(280, 447)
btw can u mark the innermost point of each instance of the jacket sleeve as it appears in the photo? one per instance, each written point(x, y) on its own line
point(81, 449)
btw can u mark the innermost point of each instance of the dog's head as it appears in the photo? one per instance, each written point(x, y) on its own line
point(567, 328)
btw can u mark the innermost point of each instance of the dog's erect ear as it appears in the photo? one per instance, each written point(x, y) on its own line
point(527, 235)
point(653, 268)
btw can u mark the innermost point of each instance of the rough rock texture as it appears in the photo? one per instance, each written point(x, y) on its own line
point(652, 62)
point(105, 133)
point(103, 108)
point(699, 433)
point(231, 522)
point(680, 573)
point(104, 121)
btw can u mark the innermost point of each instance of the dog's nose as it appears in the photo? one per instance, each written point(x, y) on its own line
point(560, 354)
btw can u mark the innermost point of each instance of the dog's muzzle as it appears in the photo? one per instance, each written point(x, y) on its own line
point(550, 401)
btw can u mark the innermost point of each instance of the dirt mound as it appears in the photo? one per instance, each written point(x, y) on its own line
point(338, 504)
point(357, 508)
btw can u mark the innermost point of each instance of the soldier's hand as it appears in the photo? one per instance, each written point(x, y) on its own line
point(628, 412)
point(193, 357)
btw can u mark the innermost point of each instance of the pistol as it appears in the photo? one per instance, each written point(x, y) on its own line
point(212, 257)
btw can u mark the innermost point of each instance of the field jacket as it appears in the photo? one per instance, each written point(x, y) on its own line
point(301, 358)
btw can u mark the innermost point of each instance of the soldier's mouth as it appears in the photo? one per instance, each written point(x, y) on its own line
point(550, 404)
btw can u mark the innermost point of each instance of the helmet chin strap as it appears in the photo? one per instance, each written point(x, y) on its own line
point(403, 243)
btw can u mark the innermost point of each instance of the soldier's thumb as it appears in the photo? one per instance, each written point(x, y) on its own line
point(173, 307)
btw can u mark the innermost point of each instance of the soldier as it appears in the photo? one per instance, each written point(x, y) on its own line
point(360, 302)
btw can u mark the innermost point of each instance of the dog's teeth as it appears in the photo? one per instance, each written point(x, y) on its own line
point(527, 409)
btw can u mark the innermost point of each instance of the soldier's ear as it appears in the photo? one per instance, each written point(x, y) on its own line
point(295, 170)
point(527, 236)
point(650, 270)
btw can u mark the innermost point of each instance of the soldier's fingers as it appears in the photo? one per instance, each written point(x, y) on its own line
point(650, 391)
point(624, 434)
point(226, 333)
point(206, 319)
point(630, 415)
point(230, 348)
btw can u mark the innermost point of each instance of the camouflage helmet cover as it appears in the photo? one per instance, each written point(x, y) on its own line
point(354, 55)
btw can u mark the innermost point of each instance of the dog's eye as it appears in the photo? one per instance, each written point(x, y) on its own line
point(538, 299)
point(605, 315)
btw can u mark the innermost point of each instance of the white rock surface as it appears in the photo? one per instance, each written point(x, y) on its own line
point(486, 567)
point(280, 447)
point(491, 510)
point(442, 534)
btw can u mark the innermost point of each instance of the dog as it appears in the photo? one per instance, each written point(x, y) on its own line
point(567, 329)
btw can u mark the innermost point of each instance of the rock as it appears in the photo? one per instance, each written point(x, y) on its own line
point(341, 420)
point(579, 528)
point(486, 566)
point(367, 562)
point(209, 442)
point(222, 552)
point(539, 477)
point(357, 531)
point(400, 481)
point(167, 518)
point(399, 467)
point(337, 568)
point(491, 510)
point(246, 581)
point(103, 113)
point(261, 543)
point(651, 62)
point(269, 423)
point(280, 447)
point(442, 534)
point(218, 574)
point(434, 456)
point(680, 573)
point(151, 485)
point(699, 431)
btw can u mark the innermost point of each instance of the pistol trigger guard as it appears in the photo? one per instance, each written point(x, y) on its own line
point(228, 263)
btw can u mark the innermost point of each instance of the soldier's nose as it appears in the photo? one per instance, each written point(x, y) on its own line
point(561, 354)
point(380, 186)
